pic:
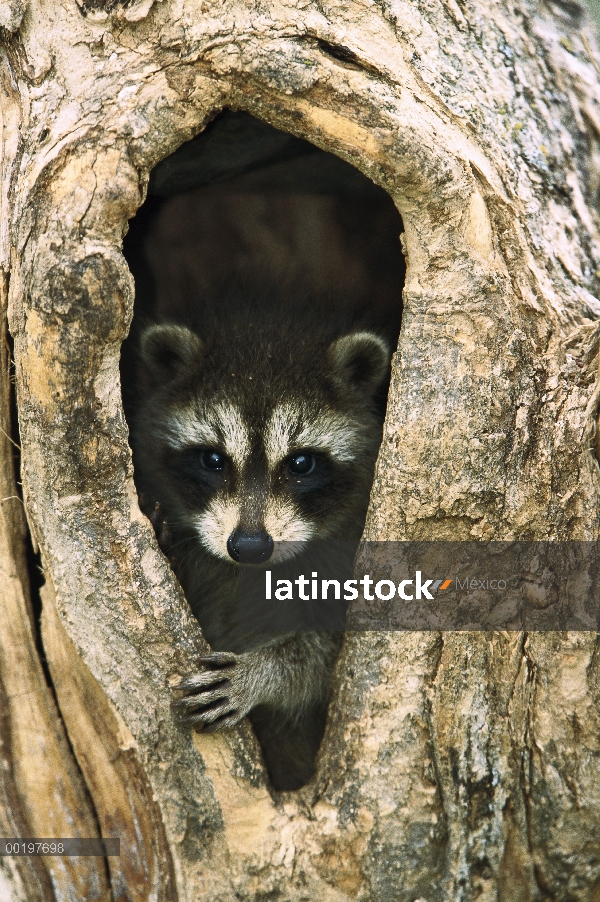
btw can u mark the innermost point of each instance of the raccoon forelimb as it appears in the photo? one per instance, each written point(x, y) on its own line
point(288, 675)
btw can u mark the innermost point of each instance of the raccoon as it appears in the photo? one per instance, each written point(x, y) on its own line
point(255, 434)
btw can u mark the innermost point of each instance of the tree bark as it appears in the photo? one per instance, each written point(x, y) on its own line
point(455, 766)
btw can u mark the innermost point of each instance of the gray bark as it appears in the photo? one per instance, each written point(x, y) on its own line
point(455, 766)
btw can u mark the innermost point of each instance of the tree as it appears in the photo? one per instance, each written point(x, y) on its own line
point(455, 766)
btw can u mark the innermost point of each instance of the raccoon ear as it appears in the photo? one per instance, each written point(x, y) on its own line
point(165, 349)
point(360, 360)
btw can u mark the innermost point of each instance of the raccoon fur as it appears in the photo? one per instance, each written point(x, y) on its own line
point(255, 433)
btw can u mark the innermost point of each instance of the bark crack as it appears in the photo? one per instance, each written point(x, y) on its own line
point(527, 767)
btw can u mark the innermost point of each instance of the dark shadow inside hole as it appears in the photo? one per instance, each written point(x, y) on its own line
point(247, 201)
point(269, 250)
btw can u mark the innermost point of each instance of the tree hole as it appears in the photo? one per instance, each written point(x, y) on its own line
point(268, 279)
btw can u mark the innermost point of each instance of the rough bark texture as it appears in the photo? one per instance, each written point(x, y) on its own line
point(455, 767)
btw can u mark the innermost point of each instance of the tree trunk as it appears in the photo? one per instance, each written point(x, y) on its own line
point(455, 766)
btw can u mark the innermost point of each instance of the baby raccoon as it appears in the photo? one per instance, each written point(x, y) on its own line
point(255, 434)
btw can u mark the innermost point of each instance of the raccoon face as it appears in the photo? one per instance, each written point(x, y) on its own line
point(258, 467)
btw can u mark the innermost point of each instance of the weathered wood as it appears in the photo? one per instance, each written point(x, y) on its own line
point(42, 793)
point(105, 751)
point(458, 766)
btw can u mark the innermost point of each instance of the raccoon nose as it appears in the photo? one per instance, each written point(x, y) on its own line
point(250, 548)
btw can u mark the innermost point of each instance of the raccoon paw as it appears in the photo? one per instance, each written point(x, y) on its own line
point(218, 697)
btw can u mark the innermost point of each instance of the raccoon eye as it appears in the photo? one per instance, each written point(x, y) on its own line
point(212, 460)
point(301, 464)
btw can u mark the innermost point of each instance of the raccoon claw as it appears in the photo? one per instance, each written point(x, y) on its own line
point(219, 659)
point(222, 723)
point(215, 698)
